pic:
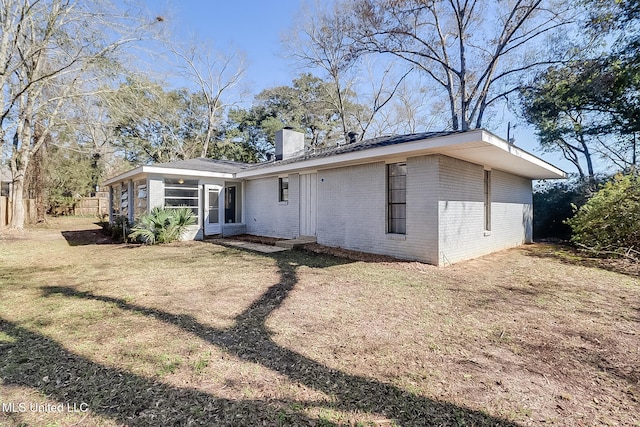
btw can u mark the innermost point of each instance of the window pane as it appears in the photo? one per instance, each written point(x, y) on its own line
point(397, 226)
point(179, 192)
point(175, 182)
point(140, 198)
point(194, 210)
point(397, 198)
point(214, 215)
point(214, 196)
point(283, 184)
point(214, 207)
point(180, 202)
point(398, 211)
point(398, 182)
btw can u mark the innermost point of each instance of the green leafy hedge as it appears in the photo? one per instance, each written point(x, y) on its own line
point(609, 223)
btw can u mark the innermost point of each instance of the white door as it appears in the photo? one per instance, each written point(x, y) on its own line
point(308, 203)
point(212, 211)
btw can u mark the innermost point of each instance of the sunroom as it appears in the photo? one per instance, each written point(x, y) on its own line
point(205, 186)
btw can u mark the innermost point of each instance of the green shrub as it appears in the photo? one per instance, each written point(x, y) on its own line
point(610, 221)
point(162, 225)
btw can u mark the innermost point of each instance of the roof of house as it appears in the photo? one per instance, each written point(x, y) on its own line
point(202, 164)
point(476, 146)
point(366, 144)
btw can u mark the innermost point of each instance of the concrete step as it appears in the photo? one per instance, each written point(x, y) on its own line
point(298, 241)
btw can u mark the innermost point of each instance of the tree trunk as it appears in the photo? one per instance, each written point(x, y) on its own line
point(35, 174)
point(17, 218)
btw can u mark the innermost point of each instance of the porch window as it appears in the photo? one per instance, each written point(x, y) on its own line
point(124, 200)
point(397, 198)
point(182, 193)
point(140, 198)
point(283, 189)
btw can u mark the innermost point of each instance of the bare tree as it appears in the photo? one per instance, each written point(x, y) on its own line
point(473, 50)
point(324, 41)
point(48, 51)
point(384, 87)
point(214, 75)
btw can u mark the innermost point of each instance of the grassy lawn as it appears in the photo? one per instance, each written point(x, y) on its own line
point(200, 334)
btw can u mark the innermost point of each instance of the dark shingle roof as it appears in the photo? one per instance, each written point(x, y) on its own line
point(227, 166)
point(366, 144)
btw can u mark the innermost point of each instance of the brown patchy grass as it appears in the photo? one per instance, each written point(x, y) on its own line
point(196, 333)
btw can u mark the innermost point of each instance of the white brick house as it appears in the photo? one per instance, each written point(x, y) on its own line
point(437, 197)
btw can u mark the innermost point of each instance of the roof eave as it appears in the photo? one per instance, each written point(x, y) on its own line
point(477, 146)
point(147, 170)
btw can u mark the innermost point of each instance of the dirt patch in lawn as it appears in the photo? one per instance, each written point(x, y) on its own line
point(570, 255)
point(201, 334)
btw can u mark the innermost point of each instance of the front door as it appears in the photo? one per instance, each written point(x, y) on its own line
point(308, 203)
point(212, 203)
point(230, 204)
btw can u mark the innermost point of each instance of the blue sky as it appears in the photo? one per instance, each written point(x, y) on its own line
point(255, 28)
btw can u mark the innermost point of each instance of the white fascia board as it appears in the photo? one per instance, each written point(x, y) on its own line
point(553, 172)
point(186, 172)
point(124, 176)
point(166, 171)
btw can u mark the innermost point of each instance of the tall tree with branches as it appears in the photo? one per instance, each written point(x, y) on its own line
point(323, 40)
point(475, 51)
point(50, 51)
point(214, 75)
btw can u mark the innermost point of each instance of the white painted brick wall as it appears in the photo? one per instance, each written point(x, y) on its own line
point(352, 206)
point(445, 210)
point(155, 192)
point(265, 215)
point(461, 211)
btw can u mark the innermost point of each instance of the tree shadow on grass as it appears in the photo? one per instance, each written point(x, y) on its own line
point(250, 340)
point(31, 360)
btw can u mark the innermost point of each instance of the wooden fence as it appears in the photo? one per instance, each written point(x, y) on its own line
point(6, 210)
point(92, 206)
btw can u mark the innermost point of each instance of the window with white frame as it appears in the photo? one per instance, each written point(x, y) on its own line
point(397, 198)
point(182, 193)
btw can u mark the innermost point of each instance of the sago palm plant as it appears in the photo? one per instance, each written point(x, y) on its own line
point(162, 225)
